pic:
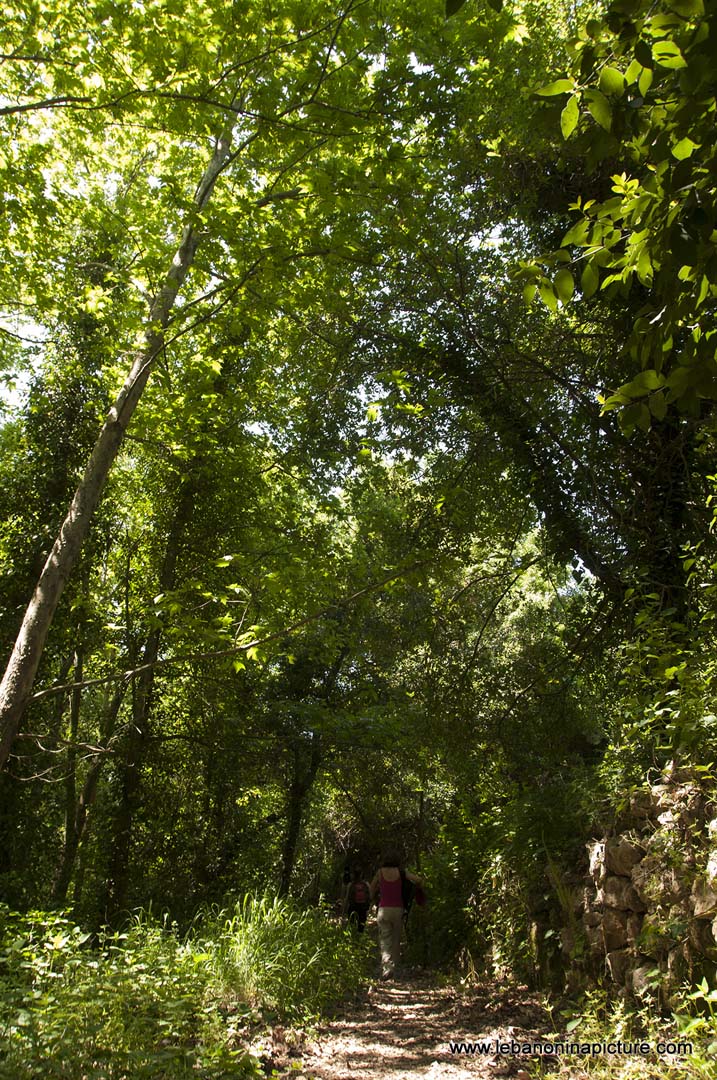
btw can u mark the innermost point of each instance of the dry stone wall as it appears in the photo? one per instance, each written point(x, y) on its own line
point(647, 916)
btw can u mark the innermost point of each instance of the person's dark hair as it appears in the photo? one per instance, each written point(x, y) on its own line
point(391, 858)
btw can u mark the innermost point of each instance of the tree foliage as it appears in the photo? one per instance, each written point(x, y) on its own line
point(400, 526)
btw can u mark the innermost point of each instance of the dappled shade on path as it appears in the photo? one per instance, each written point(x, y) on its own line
point(403, 1028)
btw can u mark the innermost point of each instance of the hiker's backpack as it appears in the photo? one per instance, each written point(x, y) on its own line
point(408, 893)
point(359, 893)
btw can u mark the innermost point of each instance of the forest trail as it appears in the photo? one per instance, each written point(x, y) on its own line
point(402, 1029)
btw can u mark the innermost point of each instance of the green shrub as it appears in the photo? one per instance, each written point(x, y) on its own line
point(136, 1004)
point(147, 1004)
point(683, 1045)
point(290, 960)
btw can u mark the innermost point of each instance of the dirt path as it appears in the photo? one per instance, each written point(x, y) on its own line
point(402, 1029)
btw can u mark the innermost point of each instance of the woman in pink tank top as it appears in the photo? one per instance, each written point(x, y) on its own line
point(388, 885)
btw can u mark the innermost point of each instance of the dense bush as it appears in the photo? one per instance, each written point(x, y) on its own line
point(290, 960)
point(146, 1003)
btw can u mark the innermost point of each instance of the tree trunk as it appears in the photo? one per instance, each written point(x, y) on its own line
point(306, 766)
point(136, 747)
point(115, 891)
point(22, 666)
point(302, 780)
point(77, 812)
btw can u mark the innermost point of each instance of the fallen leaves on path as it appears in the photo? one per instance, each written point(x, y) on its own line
point(403, 1029)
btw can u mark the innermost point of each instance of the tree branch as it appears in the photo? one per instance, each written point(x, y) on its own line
point(233, 649)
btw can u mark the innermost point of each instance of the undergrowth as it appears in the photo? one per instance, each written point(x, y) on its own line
point(623, 1040)
point(149, 1003)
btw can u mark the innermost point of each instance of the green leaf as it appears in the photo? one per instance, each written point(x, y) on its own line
point(658, 406)
point(643, 383)
point(687, 8)
point(453, 6)
point(645, 81)
point(560, 86)
point(629, 417)
point(678, 381)
point(578, 233)
point(599, 108)
point(683, 149)
point(668, 55)
point(564, 285)
point(644, 267)
point(589, 280)
point(548, 297)
point(569, 117)
point(643, 53)
point(644, 420)
point(529, 292)
point(612, 81)
point(704, 289)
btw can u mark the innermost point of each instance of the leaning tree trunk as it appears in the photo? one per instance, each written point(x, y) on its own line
point(22, 666)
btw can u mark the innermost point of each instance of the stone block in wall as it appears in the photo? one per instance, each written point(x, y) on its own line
point(593, 936)
point(642, 805)
point(576, 982)
point(654, 939)
point(679, 964)
point(661, 795)
point(678, 774)
point(576, 900)
point(682, 805)
point(644, 978)
point(592, 917)
point(596, 856)
point(690, 800)
point(704, 898)
point(589, 897)
point(675, 888)
point(619, 892)
point(657, 884)
point(711, 871)
point(634, 926)
point(567, 941)
point(701, 938)
point(614, 929)
point(621, 855)
point(618, 963)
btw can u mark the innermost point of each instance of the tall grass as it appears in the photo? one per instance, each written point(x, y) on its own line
point(147, 1003)
point(288, 959)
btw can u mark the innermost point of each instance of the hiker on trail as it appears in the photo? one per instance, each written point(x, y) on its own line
point(357, 901)
point(391, 885)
